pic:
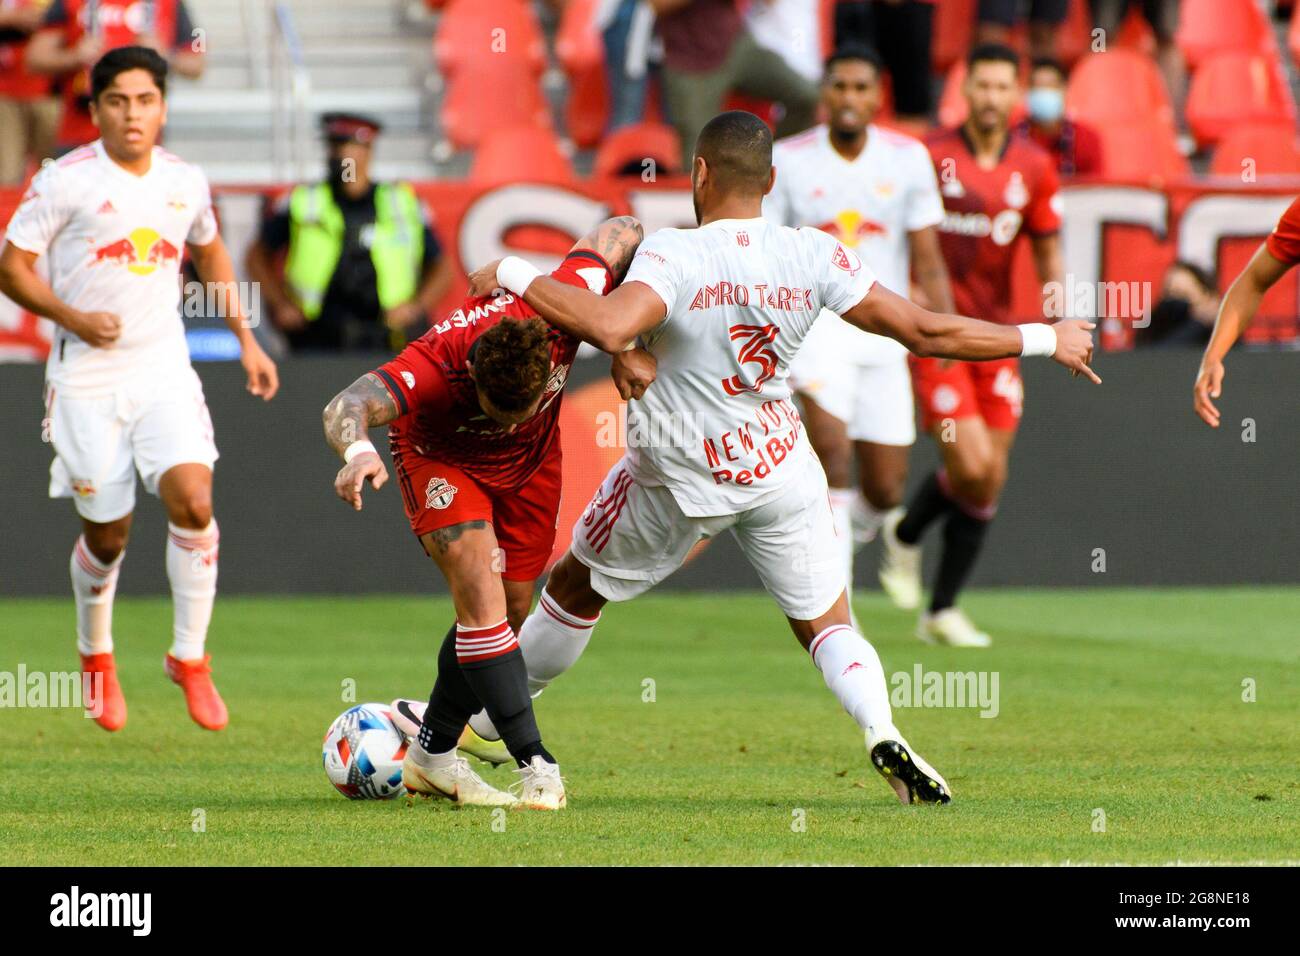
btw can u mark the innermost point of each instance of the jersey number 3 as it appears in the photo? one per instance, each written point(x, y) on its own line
point(754, 350)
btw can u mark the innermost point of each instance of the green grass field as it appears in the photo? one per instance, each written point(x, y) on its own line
point(1127, 702)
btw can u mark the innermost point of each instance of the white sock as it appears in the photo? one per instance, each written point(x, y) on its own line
point(192, 571)
point(551, 640)
point(867, 518)
point(842, 515)
point(853, 672)
point(93, 585)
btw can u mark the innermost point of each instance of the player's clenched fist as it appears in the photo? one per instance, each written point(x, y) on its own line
point(483, 281)
point(633, 371)
point(1074, 346)
point(98, 329)
point(367, 466)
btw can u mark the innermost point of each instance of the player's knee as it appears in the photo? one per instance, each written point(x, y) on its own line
point(106, 541)
point(569, 585)
point(192, 510)
point(884, 492)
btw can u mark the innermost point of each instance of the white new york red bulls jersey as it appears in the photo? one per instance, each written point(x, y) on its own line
point(113, 243)
point(869, 203)
point(718, 427)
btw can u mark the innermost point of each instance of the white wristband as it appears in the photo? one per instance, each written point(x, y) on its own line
point(357, 448)
point(514, 274)
point(1037, 338)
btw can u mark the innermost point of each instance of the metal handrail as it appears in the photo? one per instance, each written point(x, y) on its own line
point(290, 91)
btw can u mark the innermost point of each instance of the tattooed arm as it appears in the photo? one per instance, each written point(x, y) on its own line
point(347, 418)
point(616, 241)
point(611, 322)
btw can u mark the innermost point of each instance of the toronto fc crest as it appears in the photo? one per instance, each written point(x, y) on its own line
point(438, 493)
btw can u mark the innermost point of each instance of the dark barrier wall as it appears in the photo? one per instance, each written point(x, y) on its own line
point(1124, 467)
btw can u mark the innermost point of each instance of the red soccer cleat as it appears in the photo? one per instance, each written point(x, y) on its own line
point(207, 709)
point(107, 696)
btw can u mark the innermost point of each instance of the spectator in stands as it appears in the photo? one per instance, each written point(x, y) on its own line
point(995, 20)
point(1188, 306)
point(29, 113)
point(1075, 146)
point(76, 33)
point(708, 52)
point(902, 30)
point(791, 29)
point(1108, 16)
point(363, 269)
point(627, 30)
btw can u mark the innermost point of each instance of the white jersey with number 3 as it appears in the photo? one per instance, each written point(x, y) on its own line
point(717, 427)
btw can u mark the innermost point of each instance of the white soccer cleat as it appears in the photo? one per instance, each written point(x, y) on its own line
point(449, 777)
point(540, 786)
point(952, 628)
point(407, 716)
point(900, 565)
point(913, 780)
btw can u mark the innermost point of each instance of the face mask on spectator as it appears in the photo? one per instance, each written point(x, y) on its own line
point(1046, 105)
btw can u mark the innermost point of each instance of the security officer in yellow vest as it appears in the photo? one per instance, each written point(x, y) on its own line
point(363, 269)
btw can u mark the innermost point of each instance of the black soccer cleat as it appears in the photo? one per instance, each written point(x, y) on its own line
point(913, 780)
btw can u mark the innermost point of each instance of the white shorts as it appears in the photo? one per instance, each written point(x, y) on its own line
point(149, 426)
point(632, 537)
point(871, 392)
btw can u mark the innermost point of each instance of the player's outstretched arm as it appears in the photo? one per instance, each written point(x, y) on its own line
point(347, 418)
point(217, 271)
point(956, 336)
point(1235, 314)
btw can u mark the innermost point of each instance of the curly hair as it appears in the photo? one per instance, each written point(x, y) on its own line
point(512, 361)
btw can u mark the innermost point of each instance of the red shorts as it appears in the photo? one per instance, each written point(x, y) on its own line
point(992, 390)
point(438, 495)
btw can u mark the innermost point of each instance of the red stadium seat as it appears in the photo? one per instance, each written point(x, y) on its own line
point(520, 154)
point(1271, 149)
point(489, 93)
point(578, 45)
point(1207, 27)
point(629, 147)
point(475, 31)
point(586, 111)
point(954, 25)
point(1075, 36)
point(1234, 88)
point(1141, 151)
point(1119, 85)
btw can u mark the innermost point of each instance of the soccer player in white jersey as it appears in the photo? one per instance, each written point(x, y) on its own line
point(724, 308)
point(111, 218)
point(875, 191)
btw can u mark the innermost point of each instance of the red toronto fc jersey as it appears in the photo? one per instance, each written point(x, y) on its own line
point(439, 414)
point(985, 212)
point(1284, 241)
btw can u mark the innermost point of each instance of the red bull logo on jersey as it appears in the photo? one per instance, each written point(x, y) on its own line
point(851, 227)
point(141, 252)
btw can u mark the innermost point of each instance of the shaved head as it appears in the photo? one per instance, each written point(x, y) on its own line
point(737, 147)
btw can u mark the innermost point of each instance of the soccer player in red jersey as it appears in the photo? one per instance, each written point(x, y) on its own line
point(1272, 260)
point(995, 188)
point(474, 407)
